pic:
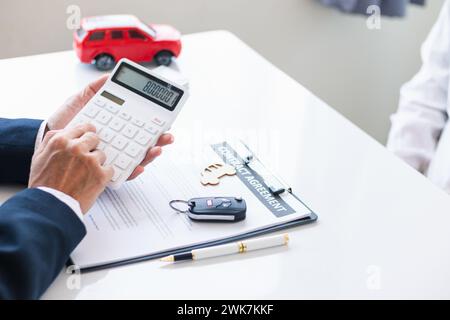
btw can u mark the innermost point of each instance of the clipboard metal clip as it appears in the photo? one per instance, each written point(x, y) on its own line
point(275, 184)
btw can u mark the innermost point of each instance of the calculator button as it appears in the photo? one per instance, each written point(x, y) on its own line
point(112, 108)
point(117, 174)
point(119, 142)
point(104, 117)
point(117, 124)
point(129, 131)
point(143, 138)
point(124, 115)
point(152, 129)
point(91, 111)
point(111, 154)
point(123, 161)
point(133, 150)
point(100, 102)
point(158, 121)
point(138, 122)
point(106, 134)
point(80, 120)
point(98, 126)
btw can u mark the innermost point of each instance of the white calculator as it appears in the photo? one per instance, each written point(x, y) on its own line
point(131, 111)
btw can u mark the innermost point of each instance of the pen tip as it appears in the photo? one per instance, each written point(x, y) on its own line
point(167, 259)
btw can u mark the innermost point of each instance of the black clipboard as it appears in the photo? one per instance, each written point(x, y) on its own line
point(302, 221)
point(312, 218)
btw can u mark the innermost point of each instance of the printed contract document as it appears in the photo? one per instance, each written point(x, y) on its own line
point(137, 221)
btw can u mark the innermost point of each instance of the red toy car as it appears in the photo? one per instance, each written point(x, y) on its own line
point(104, 40)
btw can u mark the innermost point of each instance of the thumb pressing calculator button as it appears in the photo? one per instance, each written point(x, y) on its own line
point(101, 145)
point(97, 125)
point(106, 134)
point(123, 109)
point(110, 154)
point(117, 174)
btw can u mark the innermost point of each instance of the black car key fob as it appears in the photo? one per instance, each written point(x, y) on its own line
point(214, 209)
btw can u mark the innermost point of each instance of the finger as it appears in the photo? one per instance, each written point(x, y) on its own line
point(75, 103)
point(151, 155)
point(93, 88)
point(48, 136)
point(137, 171)
point(99, 156)
point(79, 130)
point(165, 139)
point(89, 141)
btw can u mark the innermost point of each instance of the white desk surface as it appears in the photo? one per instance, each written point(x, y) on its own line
point(383, 229)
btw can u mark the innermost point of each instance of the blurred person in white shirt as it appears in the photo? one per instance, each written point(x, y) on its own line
point(420, 132)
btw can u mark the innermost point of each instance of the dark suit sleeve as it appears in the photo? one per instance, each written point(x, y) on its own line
point(17, 140)
point(37, 234)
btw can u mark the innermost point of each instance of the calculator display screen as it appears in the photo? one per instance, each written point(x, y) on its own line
point(148, 86)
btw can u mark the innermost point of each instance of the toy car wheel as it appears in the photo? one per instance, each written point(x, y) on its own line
point(163, 58)
point(104, 62)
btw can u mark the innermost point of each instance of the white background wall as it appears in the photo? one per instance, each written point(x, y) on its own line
point(355, 70)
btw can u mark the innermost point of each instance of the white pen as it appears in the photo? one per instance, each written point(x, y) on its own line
point(230, 248)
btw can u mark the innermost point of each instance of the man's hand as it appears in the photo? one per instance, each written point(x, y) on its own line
point(67, 161)
point(61, 118)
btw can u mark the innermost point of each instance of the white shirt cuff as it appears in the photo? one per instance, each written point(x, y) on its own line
point(40, 135)
point(68, 200)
